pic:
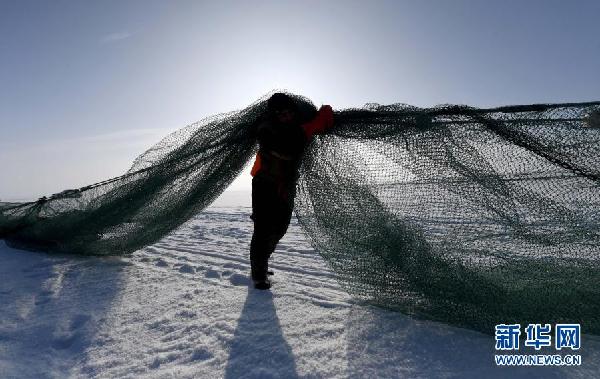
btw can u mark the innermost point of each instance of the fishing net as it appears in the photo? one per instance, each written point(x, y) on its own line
point(470, 216)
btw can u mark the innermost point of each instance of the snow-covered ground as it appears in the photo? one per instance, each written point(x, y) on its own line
point(183, 308)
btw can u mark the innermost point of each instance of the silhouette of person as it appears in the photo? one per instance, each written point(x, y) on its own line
point(282, 136)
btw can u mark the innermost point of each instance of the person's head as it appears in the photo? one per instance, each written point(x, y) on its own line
point(282, 108)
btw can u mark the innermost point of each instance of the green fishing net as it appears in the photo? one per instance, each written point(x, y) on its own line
point(470, 216)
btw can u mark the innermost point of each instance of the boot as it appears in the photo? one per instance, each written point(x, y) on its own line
point(262, 284)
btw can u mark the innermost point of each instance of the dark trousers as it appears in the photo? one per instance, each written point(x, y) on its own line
point(272, 205)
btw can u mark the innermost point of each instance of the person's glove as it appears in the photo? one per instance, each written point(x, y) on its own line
point(326, 115)
point(322, 121)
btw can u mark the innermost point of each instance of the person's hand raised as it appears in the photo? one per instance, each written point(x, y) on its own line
point(326, 114)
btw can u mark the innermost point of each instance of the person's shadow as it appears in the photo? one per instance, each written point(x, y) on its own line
point(258, 349)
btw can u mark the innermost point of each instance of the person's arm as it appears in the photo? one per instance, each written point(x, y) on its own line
point(319, 124)
point(261, 135)
point(257, 165)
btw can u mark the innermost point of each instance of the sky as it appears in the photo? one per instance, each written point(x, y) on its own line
point(86, 86)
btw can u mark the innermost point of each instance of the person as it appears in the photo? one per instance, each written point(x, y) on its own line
point(282, 137)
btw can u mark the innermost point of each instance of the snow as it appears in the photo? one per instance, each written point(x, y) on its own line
point(184, 308)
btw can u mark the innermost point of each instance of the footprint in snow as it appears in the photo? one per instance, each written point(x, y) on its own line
point(79, 321)
point(65, 341)
point(186, 269)
point(212, 274)
point(68, 337)
point(239, 280)
point(201, 354)
point(186, 314)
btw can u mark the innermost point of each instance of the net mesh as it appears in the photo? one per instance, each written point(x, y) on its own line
point(470, 216)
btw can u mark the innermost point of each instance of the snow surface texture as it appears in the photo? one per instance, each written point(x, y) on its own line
point(184, 308)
